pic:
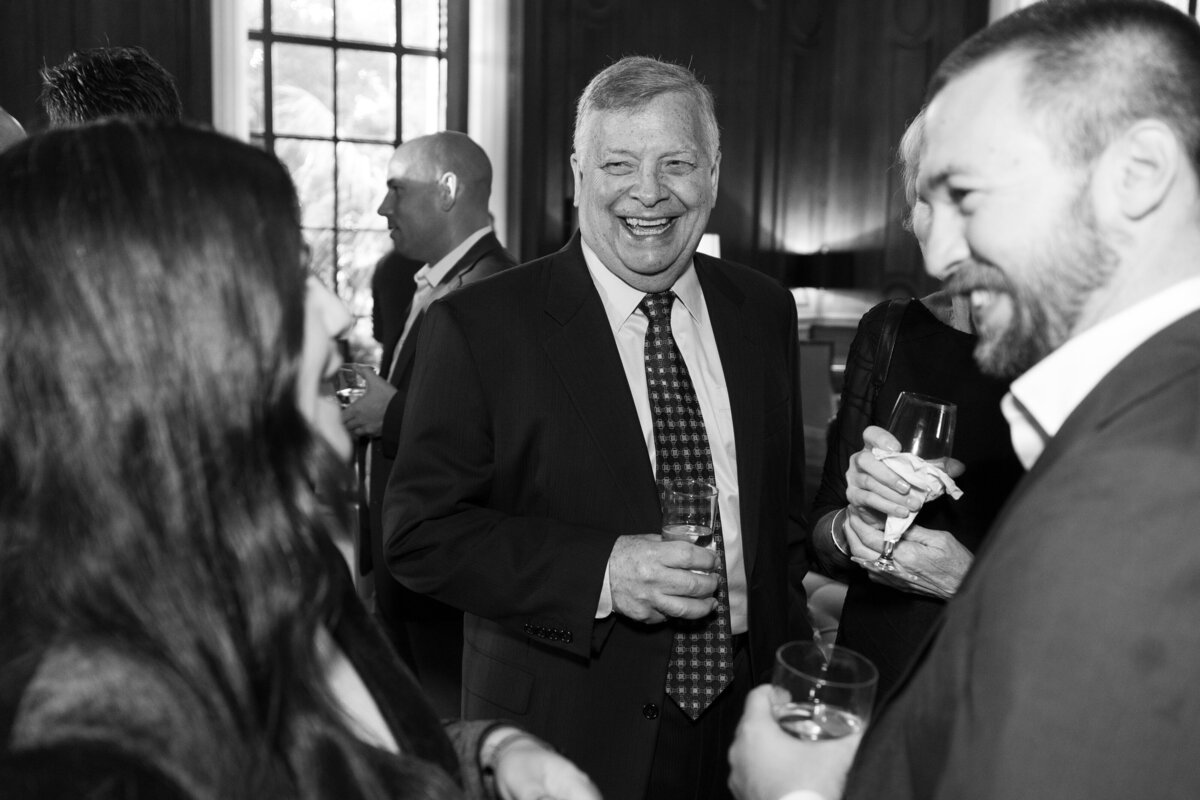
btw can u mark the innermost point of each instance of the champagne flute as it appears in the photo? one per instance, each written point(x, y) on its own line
point(821, 691)
point(925, 427)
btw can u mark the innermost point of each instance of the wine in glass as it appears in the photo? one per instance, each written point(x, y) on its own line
point(351, 385)
point(821, 691)
point(925, 427)
point(689, 509)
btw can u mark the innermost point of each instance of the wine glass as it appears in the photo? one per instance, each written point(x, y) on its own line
point(925, 427)
point(821, 691)
point(351, 385)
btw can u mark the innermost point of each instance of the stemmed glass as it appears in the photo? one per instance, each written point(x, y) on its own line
point(821, 691)
point(351, 385)
point(925, 427)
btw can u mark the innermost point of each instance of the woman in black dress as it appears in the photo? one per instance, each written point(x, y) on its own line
point(886, 615)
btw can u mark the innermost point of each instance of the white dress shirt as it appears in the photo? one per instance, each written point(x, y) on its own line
point(1039, 402)
point(692, 329)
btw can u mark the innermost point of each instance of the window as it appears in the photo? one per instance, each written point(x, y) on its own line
point(334, 86)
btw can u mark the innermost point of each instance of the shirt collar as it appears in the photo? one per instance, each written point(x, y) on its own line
point(1040, 401)
point(621, 300)
point(436, 273)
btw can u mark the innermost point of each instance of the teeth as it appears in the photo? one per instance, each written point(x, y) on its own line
point(980, 298)
point(648, 225)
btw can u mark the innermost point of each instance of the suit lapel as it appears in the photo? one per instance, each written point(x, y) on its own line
point(456, 277)
point(742, 365)
point(582, 351)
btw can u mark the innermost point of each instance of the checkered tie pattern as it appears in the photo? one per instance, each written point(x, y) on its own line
point(702, 650)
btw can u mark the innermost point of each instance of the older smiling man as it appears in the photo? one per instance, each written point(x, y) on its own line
point(525, 490)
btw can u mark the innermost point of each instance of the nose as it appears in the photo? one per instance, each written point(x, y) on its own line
point(385, 205)
point(648, 187)
point(945, 243)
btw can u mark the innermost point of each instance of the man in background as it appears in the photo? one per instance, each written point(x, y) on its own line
point(107, 81)
point(436, 205)
point(1061, 169)
point(541, 410)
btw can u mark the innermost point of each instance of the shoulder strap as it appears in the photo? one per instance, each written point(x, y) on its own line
point(887, 343)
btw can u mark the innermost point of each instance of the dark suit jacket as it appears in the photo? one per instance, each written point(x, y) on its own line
point(1067, 665)
point(524, 461)
point(413, 618)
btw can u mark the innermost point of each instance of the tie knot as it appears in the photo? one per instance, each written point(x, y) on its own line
point(657, 306)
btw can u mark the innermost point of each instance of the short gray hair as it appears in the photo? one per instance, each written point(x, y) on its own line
point(634, 81)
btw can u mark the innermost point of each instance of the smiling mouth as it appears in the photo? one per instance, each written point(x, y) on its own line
point(648, 227)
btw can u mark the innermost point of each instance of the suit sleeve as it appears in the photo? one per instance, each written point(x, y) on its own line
point(449, 531)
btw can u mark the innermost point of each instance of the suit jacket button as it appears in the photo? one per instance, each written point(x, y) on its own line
point(650, 711)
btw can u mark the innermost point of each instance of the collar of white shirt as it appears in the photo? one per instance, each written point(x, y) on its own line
point(434, 274)
point(1039, 402)
point(621, 300)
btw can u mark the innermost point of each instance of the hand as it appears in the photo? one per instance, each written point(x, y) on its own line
point(652, 580)
point(364, 417)
point(768, 763)
point(528, 770)
point(873, 489)
point(928, 562)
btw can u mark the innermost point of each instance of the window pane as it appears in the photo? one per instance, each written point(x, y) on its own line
point(358, 252)
point(366, 95)
point(254, 86)
point(254, 15)
point(312, 17)
point(303, 89)
point(362, 175)
point(423, 24)
point(320, 241)
point(367, 20)
point(311, 165)
point(422, 97)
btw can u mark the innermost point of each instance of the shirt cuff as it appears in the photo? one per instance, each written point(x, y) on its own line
point(804, 794)
point(605, 607)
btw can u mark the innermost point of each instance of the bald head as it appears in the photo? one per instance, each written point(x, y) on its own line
point(438, 191)
point(456, 153)
point(11, 131)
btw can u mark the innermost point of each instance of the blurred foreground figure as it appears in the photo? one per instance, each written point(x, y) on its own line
point(108, 81)
point(1060, 166)
point(177, 620)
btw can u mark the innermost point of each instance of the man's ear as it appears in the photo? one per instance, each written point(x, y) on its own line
point(1139, 168)
point(577, 173)
point(447, 191)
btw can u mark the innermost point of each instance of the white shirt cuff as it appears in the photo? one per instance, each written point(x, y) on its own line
point(803, 794)
point(605, 606)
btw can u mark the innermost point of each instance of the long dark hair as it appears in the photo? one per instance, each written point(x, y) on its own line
point(159, 482)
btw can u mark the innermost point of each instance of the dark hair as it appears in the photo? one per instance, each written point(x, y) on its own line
point(634, 81)
point(1094, 67)
point(160, 491)
point(108, 81)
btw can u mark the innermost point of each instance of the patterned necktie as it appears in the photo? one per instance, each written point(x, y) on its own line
point(701, 651)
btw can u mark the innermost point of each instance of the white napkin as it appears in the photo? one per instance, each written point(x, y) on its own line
point(923, 476)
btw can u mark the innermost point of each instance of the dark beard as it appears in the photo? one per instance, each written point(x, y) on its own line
point(1075, 262)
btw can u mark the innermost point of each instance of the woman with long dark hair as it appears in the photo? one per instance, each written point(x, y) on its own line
point(175, 618)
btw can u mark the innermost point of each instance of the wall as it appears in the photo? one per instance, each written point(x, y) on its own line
point(37, 33)
point(812, 96)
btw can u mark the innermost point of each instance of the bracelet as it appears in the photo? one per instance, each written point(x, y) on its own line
point(491, 759)
point(841, 544)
